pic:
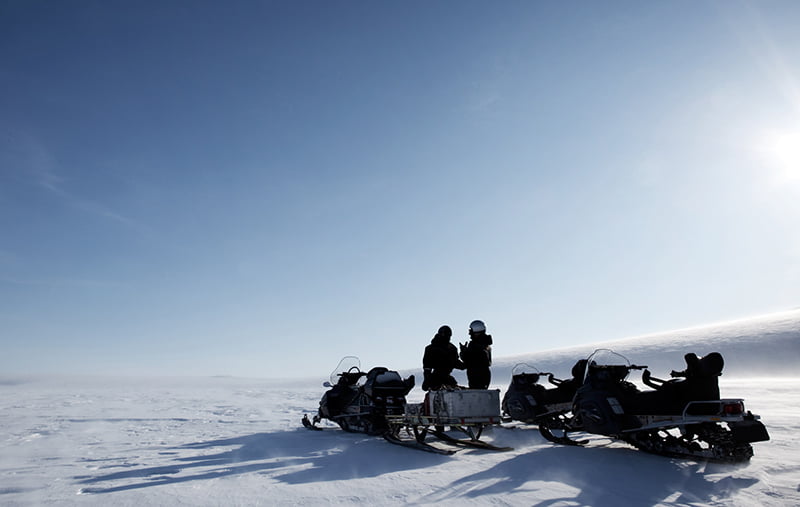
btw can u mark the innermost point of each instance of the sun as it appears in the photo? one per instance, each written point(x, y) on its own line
point(779, 150)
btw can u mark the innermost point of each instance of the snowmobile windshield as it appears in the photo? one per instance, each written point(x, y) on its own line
point(348, 364)
point(521, 368)
point(606, 357)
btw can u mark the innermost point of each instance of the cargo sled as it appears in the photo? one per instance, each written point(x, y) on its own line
point(465, 411)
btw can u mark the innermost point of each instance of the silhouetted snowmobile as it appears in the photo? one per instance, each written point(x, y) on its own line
point(375, 403)
point(683, 418)
point(360, 401)
point(527, 401)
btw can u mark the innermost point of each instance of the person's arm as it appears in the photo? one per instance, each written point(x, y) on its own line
point(653, 382)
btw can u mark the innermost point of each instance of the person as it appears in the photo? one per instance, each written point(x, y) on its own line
point(698, 382)
point(439, 361)
point(477, 356)
point(701, 375)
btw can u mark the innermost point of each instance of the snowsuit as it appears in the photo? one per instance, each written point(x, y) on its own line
point(477, 357)
point(701, 377)
point(440, 358)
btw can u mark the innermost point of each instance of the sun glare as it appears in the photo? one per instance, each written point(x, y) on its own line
point(780, 150)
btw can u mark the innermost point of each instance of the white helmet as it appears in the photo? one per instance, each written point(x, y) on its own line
point(477, 326)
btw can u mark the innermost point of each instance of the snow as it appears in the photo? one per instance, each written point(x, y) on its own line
point(235, 441)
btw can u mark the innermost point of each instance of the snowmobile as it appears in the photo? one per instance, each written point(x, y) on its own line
point(375, 403)
point(359, 401)
point(682, 417)
point(527, 401)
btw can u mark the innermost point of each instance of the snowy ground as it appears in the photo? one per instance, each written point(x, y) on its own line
point(230, 441)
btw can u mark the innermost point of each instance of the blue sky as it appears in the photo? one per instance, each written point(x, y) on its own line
point(260, 188)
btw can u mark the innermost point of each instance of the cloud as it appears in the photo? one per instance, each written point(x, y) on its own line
point(28, 161)
point(35, 164)
point(483, 98)
point(60, 282)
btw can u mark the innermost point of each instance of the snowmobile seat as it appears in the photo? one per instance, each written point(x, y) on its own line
point(564, 392)
point(384, 382)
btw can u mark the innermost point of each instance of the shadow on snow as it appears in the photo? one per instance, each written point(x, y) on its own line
point(293, 457)
point(600, 476)
point(597, 475)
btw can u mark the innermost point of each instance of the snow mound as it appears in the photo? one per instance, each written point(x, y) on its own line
point(763, 346)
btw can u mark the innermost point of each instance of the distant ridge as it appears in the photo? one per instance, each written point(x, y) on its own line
point(767, 345)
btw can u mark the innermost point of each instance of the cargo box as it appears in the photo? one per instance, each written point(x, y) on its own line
point(464, 404)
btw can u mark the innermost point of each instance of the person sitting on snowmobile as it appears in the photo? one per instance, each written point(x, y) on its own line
point(477, 356)
point(439, 360)
point(701, 375)
point(700, 382)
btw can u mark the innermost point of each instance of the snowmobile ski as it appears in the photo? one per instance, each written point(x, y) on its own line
point(416, 444)
point(467, 442)
point(554, 427)
point(310, 425)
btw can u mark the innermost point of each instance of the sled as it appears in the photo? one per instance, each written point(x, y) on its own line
point(467, 411)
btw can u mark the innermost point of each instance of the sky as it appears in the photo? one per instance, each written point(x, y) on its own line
point(260, 188)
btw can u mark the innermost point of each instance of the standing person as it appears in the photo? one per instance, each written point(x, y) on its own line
point(440, 358)
point(477, 356)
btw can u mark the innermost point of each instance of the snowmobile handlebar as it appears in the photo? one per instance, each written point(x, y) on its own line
point(358, 373)
point(553, 379)
point(355, 375)
point(350, 377)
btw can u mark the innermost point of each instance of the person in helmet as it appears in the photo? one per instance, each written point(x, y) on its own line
point(477, 356)
point(439, 361)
